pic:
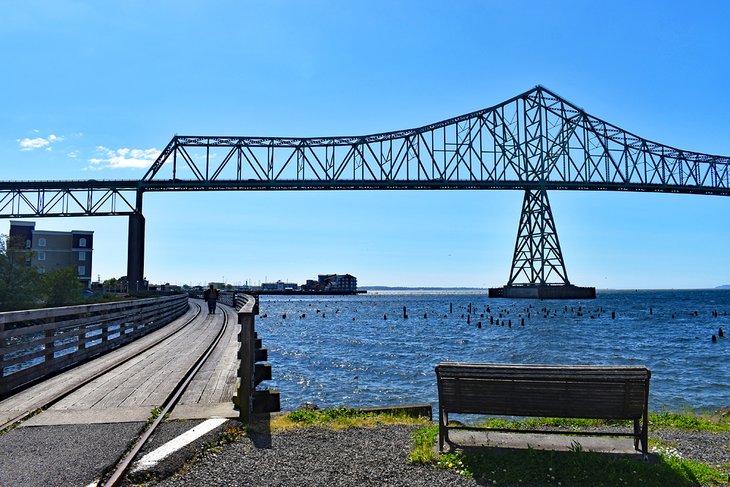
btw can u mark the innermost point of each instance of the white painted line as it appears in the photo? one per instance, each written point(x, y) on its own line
point(152, 458)
point(95, 483)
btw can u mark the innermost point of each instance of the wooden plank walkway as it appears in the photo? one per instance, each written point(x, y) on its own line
point(211, 391)
point(130, 392)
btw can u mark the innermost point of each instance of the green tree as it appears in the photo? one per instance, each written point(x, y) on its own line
point(61, 287)
point(18, 280)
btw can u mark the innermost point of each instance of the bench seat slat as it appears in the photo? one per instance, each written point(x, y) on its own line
point(616, 399)
point(541, 372)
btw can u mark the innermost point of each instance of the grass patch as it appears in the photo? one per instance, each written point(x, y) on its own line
point(577, 467)
point(341, 418)
point(424, 440)
point(685, 421)
point(564, 423)
point(573, 468)
point(689, 421)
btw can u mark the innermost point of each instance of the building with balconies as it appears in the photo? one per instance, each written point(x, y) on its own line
point(51, 250)
point(337, 282)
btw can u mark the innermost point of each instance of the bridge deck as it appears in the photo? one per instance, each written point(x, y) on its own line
point(130, 392)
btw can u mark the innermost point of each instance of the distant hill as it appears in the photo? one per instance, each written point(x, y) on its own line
point(724, 286)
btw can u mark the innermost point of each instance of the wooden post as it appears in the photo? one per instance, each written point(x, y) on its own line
point(245, 370)
point(48, 346)
point(250, 400)
point(2, 353)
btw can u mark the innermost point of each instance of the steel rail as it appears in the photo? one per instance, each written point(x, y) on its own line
point(169, 403)
point(71, 389)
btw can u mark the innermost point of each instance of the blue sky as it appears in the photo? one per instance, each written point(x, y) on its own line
point(96, 89)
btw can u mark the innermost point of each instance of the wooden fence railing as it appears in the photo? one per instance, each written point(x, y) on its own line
point(251, 400)
point(37, 343)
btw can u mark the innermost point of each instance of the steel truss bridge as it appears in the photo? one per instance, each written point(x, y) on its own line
point(535, 142)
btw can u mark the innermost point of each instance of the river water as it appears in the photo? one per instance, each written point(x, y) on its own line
point(361, 351)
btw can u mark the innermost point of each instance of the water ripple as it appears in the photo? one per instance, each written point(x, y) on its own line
point(361, 351)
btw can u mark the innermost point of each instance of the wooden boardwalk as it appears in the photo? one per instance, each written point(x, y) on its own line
point(210, 393)
point(132, 391)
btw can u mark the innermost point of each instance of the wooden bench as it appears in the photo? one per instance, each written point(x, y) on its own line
point(555, 391)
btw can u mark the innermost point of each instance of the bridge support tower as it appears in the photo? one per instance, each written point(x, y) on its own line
point(538, 269)
point(135, 249)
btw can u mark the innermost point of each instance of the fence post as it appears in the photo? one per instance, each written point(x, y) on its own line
point(48, 345)
point(2, 351)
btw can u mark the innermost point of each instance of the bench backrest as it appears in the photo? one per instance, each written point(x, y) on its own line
point(562, 391)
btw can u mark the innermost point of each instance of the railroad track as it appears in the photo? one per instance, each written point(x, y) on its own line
point(121, 468)
point(117, 475)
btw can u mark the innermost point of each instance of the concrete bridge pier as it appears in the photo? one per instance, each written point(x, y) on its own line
point(135, 252)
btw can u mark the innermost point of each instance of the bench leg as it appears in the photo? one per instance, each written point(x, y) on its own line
point(443, 430)
point(641, 437)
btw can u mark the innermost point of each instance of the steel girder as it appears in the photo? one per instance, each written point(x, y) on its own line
point(534, 137)
point(34, 199)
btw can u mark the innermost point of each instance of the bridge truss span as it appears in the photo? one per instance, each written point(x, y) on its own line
point(535, 139)
point(535, 142)
point(34, 199)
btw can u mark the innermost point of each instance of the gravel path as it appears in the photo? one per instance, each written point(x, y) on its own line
point(701, 446)
point(319, 457)
point(368, 457)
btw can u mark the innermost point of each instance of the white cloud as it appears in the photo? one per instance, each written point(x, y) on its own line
point(123, 158)
point(28, 144)
point(31, 144)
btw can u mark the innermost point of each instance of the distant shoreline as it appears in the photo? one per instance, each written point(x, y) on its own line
point(434, 288)
point(292, 292)
point(420, 288)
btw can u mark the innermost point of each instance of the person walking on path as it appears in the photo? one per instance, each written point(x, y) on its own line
point(211, 296)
